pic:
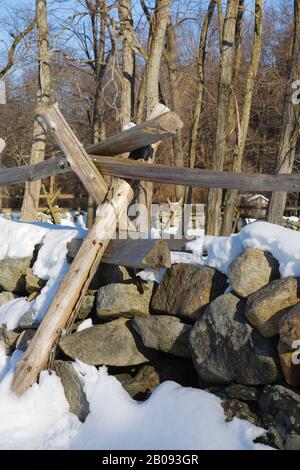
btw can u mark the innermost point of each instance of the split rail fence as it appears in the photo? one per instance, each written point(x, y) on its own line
point(92, 165)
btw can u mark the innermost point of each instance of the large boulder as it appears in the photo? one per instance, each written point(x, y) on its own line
point(73, 389)
point(225, 348)
point(289, 345)
point(13, 274)
point(123, 300)
point(270, 303)
point(164, 333)
point(113, 344)
point(186, 289)
point(284, 405)
point(251, 270)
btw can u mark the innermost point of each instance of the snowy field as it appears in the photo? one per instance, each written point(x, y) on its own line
point(174, 417)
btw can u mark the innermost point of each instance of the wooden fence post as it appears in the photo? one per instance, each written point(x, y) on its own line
point(75, 284)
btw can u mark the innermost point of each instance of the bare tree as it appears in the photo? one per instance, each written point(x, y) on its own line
point(12, 50)
point(290, 124)
point(170, 56)
point(128, 69)
point(214, 201)
point(231, 195)
point(200, 89)
point(32, 189)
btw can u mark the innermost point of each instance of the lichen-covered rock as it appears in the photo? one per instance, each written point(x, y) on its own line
point(270, 303)
point(186, 289)
point(33, 283)
point(225, 348)
point(6, 297)
point(73, 389)
point(13, 274)
point(113, 344)
point(289, 345)
point(251, 270)
point(87, 305)
point(164, 333)
point(284, 405)
point(8, 339)
point(24, 339)
point(123, 300)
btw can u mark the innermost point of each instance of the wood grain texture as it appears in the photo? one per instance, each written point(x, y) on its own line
point(71, 290)
point(132, 253)
point(147, 133)
point(76, 155)
point(161, 173)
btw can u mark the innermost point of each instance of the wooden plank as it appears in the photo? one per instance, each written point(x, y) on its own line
point(73, 287)
point(197, 177)
point(71, 290)
point(158, 173)
point(146, 133)
point(137, 254)
point(76, 155)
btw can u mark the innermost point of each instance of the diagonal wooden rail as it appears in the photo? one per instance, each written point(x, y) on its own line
point(73, 287)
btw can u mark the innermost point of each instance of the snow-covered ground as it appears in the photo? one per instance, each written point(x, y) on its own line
point(173, 417)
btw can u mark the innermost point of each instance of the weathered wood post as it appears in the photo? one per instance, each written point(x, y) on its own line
point(75, 284)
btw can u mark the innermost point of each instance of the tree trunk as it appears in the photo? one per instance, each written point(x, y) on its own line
point(170, 57)
point(32, 189)
point(231, 196)
point(290, 125)
point(127, 85)
point(156, 47)
point(213, 214)
point(200, 90)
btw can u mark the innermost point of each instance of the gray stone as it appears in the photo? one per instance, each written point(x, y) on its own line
point(225, 348)
point(24, 339)
point(113, 344)
point(283, 404)
point(87, 305)
point(33, 283)
point(8, 339)
point(243, 392)
point(186, 289)
point(123, 300)
point(13, 274)
point(73, 388)
point(109, 274)
point(28, 321)
point(292, 441)
point(141, 381)
point(251, 270)
point(238, 409)
point(270, 303)
point(164, 333)
point(6, 297)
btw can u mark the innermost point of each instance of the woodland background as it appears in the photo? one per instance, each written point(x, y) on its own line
point(103, 58)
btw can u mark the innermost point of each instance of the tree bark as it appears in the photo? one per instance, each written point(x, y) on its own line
point(200, 90)
point(170, 56)
point(128, 82)
point(231, 196)
point(290, 125)
point(214, 201)
point(32, 189)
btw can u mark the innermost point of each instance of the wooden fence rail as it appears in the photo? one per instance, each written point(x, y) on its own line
point(130, 169)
